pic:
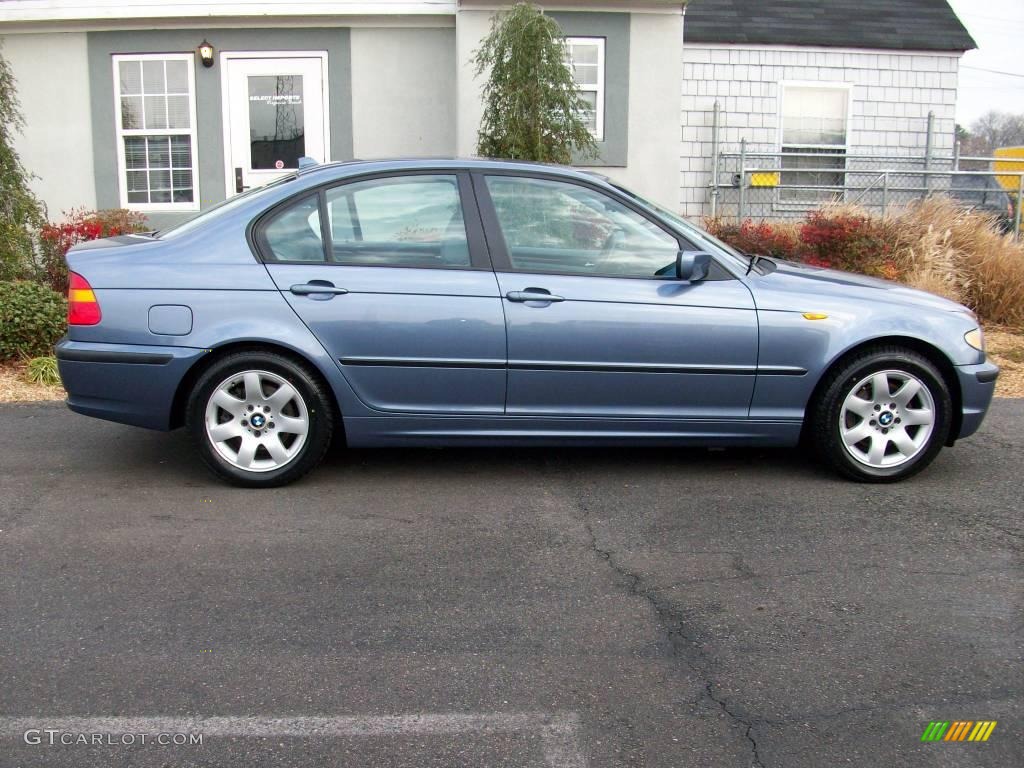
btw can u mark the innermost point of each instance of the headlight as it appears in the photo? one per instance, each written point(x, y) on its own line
point(976, 339)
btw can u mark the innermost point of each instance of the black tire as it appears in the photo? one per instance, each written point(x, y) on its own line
point(825, 412)
point(315, 396)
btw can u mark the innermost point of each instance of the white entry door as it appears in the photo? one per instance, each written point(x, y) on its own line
point(275, 114)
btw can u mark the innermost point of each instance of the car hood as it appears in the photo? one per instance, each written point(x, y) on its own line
point(791, 278)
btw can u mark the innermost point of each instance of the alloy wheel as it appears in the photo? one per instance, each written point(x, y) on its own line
point(257, 421)
point(886, 419)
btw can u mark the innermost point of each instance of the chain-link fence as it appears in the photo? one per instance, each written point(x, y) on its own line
point(789, 184)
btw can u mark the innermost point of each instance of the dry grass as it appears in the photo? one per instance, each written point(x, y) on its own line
point(942, 248)
point(16, 388)
point(1006, 348)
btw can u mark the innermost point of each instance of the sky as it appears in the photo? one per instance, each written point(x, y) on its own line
point(997, 26)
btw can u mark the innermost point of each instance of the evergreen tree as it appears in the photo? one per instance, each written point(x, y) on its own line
point(21, 213)
point(532, 107)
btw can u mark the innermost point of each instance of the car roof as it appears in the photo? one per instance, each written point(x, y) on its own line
point(353, 167)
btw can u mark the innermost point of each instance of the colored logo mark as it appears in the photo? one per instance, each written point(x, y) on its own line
point(958, 730)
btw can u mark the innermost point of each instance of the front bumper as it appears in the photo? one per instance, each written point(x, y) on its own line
point(128, 383)
point(977, 386)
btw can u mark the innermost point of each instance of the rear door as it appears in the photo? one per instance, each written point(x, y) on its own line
point(392, 275)
point(619, 336)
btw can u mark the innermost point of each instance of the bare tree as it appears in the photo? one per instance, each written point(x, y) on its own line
point(994, 130)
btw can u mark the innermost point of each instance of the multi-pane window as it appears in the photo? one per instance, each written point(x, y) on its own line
point(586, 58)
point(814, 129)
point(156, 131)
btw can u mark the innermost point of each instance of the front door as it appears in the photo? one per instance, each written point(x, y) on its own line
point(275, 115)
point(598, 326)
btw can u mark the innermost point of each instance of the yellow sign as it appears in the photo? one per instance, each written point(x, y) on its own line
point(770, 179)
point(1010, 159)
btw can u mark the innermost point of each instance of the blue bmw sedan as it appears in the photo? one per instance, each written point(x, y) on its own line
point(475, 302)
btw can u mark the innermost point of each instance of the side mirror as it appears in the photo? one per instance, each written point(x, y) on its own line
point(692, 266)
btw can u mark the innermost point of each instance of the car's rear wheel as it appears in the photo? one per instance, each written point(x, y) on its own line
point(881, 416)
point(259, 419)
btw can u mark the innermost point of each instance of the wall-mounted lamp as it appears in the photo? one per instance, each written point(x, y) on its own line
point(206, 53)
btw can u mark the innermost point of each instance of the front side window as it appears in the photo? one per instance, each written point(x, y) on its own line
point(555, 226)
point(585, 56)
point(405, 221)
point(156, 131)
point(814, 131)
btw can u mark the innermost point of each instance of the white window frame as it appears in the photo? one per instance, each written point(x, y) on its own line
point(121, 133)
point(844, 147)
point(599, 87)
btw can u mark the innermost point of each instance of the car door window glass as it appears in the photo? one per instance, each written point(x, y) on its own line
point(294, 233)
point(409, 221)
point(554, 226)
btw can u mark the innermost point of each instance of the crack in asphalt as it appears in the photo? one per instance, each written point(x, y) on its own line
point(686, 647)
point(672, 622)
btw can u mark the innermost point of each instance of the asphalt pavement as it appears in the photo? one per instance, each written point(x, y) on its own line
point(546, 607)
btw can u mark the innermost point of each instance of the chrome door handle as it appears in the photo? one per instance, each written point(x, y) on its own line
point(532, 294)
point(316, 287)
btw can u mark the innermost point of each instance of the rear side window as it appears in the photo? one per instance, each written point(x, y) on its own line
point(403, 221)
point(294, 233)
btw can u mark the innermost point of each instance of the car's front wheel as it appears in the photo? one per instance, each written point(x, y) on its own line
point(259, 419)
point(881, 416)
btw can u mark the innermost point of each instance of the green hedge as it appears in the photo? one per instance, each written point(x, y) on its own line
point(32, 319)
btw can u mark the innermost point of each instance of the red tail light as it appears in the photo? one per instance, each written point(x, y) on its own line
point(83, 309)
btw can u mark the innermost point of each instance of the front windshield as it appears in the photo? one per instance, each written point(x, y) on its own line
point(692, 232)
point(220, 209)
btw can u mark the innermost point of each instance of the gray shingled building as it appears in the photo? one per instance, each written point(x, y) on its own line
point(836, 77)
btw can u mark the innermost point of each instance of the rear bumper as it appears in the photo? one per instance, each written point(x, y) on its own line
point(977, 385)
point(127, 383)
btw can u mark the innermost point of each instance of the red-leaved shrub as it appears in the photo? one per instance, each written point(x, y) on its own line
point(780, 240)
point(847, 240)
point(80, 225)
